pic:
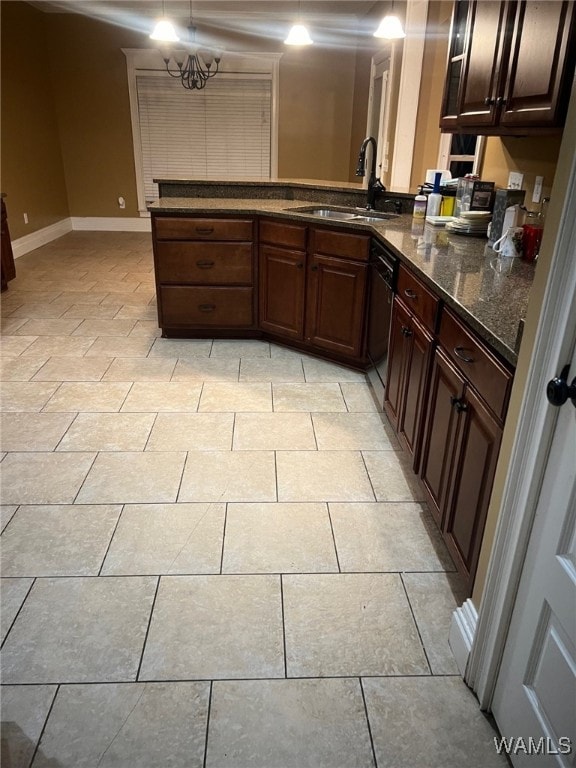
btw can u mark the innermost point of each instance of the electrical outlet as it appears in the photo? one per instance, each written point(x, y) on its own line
point(25, 218)
point(515, 180)
point(121, 202)
point(537, 194)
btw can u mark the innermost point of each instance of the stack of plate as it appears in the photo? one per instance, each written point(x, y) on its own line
point(470, 223)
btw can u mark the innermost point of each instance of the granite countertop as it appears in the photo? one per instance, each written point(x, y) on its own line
point(489, 292)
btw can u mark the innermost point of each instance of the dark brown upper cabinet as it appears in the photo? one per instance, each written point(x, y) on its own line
point(510, 66)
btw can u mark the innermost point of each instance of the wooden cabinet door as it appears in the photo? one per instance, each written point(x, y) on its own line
point(541, 64)
point(281, 294)
point(397, 354)
point(335, 304)
point(415, 386)
point(446, 388)
point(479, 87)
point(477, 447)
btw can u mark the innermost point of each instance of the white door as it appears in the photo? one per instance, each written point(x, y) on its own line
point(379, 110)
point(535, 697)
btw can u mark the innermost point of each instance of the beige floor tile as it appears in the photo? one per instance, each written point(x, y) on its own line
point(192, 432)
point(48, 327)
point(288, 724)
point(434, 597)
point(139, 478)
point(24, 712)
point(387, 537)
point(350, 432)
point(214, 627)
point(115, 286)
point(181, 348)
point(43, 478)
point(321, 370)
point(358, 396)
point(206, 370)
point(59, 346)
point(278, 538)
point(236, 396)
point(392, 476)
point(308, 397)
point(19, 368)
point(147, 328)
point(98, 327)
point(136, 308)
point(80, 297)
point(33, 431)
point(229, 476)
point(167, 538)
point(73, 369)
point(41, 311)
point(429, 722)
point(135, 724)
point(322, 476)
point(13, 346)
point(119, 346)
point(285, 353)
point(137, 369)
point(279, 370)
point(348, 625)
point(240, 348)
point(13, 593)
point(92, 311)
point(79, 630)
point(163, 396)
point(273, 431)
point(10, 324)
point(96, 396)
point(58, 540)
point(6, 512)
point(25, 395)
point(108, 432)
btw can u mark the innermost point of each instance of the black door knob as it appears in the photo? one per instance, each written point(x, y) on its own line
point(559, 391)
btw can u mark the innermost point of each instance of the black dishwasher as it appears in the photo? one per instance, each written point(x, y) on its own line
point(383, 268)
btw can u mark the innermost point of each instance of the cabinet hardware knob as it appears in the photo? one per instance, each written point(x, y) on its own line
point(206, 307)
point(500, 101)
point(406, 331)
point(204, 230)
point(460, 352)
point(314, 268)
point(205, 264)
point(489, 101)
point(458, 403)
point(299, 265)
point(559, 391)
point(410, 293)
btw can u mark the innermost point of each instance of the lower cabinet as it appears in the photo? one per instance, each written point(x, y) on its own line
point(282, 290)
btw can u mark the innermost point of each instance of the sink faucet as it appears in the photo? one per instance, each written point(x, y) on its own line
point(375, 186)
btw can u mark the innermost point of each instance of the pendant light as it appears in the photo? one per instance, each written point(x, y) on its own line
point(298, 35)
point(390, 27)
point(164, 30)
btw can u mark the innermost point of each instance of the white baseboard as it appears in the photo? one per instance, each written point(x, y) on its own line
point(111, 224)
point(462, 631)
point(41, 237)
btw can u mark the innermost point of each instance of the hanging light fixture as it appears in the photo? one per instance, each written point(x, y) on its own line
point(298, 34)
point(164, 30)
point(195, 67)
point(390, 27)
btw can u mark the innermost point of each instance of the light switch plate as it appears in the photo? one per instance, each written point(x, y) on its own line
point(515, 180)
point(537, 194)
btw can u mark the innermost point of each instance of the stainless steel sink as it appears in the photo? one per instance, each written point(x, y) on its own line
point(345, 214)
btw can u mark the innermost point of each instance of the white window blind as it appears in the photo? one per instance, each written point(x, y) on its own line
point(221, 132)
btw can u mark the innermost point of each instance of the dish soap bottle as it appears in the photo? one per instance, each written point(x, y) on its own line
point(435, 197)
point(420, 202)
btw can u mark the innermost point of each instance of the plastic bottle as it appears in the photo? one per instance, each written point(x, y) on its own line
point(420, 202)
point(435, 197)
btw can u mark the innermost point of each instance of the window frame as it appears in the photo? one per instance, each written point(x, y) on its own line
point(148, 61)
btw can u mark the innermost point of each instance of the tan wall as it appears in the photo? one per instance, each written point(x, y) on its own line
point(31, 160)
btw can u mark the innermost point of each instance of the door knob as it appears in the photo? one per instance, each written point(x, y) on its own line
point(559, 391)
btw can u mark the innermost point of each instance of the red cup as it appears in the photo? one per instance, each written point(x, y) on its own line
point(531, 239)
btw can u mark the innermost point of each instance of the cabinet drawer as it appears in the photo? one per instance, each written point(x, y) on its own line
point(486, 374)
point(279, 233)
point(417, 298)
point(203, 229)
point(345, 244)
point(204, 263)
point(187, 306)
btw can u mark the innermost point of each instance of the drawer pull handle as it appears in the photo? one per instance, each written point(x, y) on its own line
point(460, 353)
point(410, 293)
point(205, 264)
point(206, 307)
point(204, 230)
point(459, 404)
point(406, 331)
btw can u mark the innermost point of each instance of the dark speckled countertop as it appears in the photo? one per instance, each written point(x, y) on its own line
point(489, 292)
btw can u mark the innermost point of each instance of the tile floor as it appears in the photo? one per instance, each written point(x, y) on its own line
point(212, 552)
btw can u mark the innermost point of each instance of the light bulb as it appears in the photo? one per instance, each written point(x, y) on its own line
point(165, 32)
point(298, 35)
point(390, 28)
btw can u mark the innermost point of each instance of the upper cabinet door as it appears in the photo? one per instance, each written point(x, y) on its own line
point(541, 62)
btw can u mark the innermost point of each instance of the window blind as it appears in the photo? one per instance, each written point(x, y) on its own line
point(221, 132)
